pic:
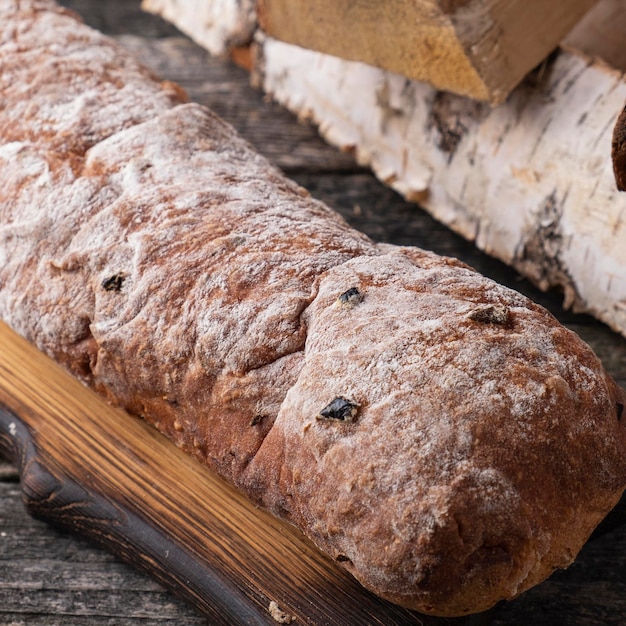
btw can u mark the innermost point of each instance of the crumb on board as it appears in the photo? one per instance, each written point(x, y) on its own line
point(279, 615)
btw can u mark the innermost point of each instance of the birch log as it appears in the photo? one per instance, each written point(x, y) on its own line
point(530, 181)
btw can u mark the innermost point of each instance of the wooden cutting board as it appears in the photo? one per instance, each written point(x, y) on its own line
point(99, 472)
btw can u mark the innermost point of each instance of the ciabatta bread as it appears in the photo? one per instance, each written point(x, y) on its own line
point(442, 437)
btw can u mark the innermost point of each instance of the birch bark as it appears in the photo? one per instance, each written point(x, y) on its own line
point(217, 25)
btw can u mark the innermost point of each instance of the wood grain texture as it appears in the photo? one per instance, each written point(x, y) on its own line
point(50, 577)
point(225, 88)
point(477, 48)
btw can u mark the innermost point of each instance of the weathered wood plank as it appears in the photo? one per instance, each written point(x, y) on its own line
point(225, 88)
point(8, 473)
point(117, 17)
point(477, 48)
point(49, 577)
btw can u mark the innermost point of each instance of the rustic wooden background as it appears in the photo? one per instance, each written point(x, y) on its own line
point(51, 578)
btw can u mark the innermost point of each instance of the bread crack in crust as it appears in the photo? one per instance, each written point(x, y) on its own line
point(440, 436)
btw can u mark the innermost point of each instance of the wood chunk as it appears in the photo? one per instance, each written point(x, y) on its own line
point(478, 48)
point(600, 34)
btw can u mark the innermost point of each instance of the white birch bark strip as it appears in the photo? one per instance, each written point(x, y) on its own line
point(217, 25)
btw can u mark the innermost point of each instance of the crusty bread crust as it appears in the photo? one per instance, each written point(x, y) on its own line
point(442, 437)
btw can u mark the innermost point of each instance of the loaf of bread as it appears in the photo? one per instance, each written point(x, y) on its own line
point(442, 437)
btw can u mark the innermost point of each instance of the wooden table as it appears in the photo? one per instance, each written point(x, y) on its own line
point(49, 578)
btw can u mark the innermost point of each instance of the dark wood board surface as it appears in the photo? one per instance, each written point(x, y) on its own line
point(50, 577)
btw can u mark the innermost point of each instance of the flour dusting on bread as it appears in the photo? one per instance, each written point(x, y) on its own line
point(440, 436)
